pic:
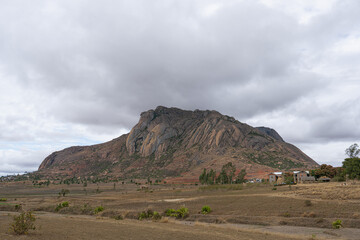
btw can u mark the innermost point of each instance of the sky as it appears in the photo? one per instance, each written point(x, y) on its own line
point(81, 72)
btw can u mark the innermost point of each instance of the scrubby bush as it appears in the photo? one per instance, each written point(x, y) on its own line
point(170, 212)
point(142, 216)
point(58, 207)
point(146, 214)
point(98, 209)
point(274, 188)
point(156, 216)
point(119, 217)
point(61, 205)
point(23, 223)
point(182, 212)
point(149, 214)
point(205, 209)
point(337, 224)
point(3, 199)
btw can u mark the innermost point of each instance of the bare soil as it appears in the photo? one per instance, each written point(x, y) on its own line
point(252, 211)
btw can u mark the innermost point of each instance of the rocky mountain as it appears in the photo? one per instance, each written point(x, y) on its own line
point(170, 142)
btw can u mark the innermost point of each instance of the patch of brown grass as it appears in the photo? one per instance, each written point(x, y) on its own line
point(309, 214)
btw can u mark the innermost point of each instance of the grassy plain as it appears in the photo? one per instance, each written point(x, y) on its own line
point(252, 211)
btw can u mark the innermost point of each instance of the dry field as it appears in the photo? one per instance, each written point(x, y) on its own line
point(253, 211)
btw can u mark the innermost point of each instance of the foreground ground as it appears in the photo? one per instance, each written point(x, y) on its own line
point(254, 211)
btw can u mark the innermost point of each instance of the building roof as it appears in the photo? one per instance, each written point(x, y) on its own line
point(296, 172)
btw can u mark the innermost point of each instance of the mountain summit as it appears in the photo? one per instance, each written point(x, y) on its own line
point(170, 142)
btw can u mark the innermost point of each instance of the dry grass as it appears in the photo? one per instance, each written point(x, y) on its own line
point(237, 204)
point(309, 214)
point(330, 191)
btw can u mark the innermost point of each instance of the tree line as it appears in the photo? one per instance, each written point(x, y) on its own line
point(226, 176)
point(352, 163)
point(350, 168)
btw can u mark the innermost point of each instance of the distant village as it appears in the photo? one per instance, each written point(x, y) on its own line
point(298, 177)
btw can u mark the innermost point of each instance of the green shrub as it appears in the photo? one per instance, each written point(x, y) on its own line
point(98, 209)
point(337, 224)
point(142, 216)
point(156, 216)
point(146, 214)
point(23, 223)
point(149, 214)
point(58, 207)
point(119, 217)
point(182, 212)
point(274, 188)
point(170, 212)
point(3, 199)
point(205, 209)
point(61, 205)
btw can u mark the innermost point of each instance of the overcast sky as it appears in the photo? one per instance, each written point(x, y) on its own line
point(81, 72)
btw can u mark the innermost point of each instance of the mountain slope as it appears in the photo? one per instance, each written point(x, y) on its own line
point(174, 142)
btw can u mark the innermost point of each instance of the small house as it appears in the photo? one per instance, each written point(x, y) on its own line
point(276, 177)
point(303, 176)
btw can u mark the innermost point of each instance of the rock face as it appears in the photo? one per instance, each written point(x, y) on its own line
point(174, 142)
point(271, 132)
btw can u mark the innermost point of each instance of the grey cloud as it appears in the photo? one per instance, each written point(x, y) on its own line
point(88, 68)
point(108, 55)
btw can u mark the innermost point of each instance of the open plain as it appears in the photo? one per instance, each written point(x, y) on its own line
point(239, 211)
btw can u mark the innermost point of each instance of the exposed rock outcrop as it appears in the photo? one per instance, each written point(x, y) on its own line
point(175, 142)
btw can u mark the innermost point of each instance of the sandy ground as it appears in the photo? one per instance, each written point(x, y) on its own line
point(55, 226)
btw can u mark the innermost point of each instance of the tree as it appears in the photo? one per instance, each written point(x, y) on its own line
point(325, 170)
point(241, 176)
point(352, 167)
point(289, 178)
point(353, 151)
point(210, 179)
point(229, 170)
point(352, 163)
point(222, 178)
point(202, 177)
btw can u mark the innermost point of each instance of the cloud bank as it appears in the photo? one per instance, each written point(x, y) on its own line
point(80, 72)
